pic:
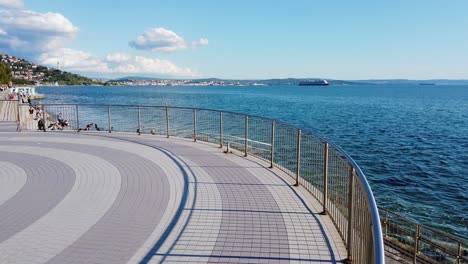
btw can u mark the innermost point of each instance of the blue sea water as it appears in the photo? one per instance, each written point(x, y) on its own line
point(411, 141)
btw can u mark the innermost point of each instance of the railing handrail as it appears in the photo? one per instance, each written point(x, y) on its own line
point(376, 232)
point(376, 228)
point(435, 231)
point(207, 109)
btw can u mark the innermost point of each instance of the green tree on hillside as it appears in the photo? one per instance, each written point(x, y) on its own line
point(5, 73)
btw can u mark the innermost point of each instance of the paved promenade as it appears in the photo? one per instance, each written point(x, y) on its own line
point(121, 198)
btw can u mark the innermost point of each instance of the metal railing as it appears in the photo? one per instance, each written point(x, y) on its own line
point(324, 169)
point(408, 240)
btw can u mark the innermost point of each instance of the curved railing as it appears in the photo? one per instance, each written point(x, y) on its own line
point(324, 169)
point(416, 243)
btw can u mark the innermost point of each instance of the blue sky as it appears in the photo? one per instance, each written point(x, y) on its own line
point(241, 39)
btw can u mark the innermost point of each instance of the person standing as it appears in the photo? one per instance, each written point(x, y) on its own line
point(60, 118)
point(21, 96)
point(31, 111)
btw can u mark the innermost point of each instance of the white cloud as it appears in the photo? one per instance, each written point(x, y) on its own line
point(41, 38)
point(163, 40)
point(118, 57)
point(30, 21)
point(27, 32)
point(140, 64)
point(12, 3)
point(34, 23)
point(74, 60)
point(203, 42)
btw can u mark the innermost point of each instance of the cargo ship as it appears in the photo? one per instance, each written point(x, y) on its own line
point(314, 83)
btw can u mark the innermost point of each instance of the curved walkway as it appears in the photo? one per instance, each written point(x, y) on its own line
point(120, 198)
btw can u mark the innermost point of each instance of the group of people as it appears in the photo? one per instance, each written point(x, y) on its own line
point(35, 112)
point(22, 95)
point(4, 87)
point(90, 126)
point(60, 124)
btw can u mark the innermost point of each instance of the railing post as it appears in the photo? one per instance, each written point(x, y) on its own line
point(298, 157)
point(416, 243)
point(139, 124)
point(246, 135)
point(109, 118)
point(44, 117)
point(325, 178)
point(459, 256)
point(228, 148)
point(220, 129)
point(18, 116)
point(350, 212)
point(167, 122)
point(272, 157)
point(77, 118)
point(386, 223)
point(371, 257)
point(195, 125)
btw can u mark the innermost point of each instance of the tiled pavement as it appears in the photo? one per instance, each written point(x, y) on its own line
point(8, 126)
point(120, 198)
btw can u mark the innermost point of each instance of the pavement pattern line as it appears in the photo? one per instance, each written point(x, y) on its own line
point(319, 250)
point(138, 212)
point(305, 230)
point(12, 179)
point(208, 226)
point(48, 182)
point(188, 195)
point(133, 215)
point(175, 178)
point(237, 210)
point(305, 225)
point(296, 200)
point(80, 209)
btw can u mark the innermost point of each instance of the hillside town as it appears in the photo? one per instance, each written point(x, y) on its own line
point(173, 82)
point(24, 70)
point(39, 75)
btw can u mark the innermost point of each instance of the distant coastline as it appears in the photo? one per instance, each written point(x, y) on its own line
point(28, 73)
point(143, 81)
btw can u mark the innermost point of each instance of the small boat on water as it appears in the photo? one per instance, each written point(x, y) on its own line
point(314, 83)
